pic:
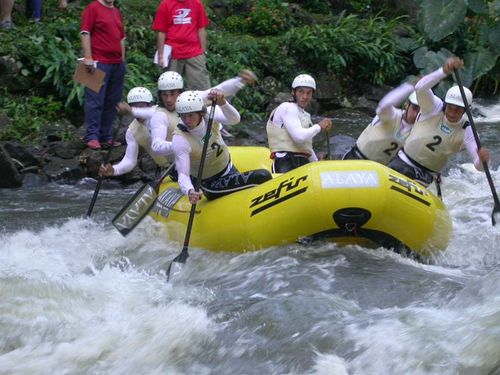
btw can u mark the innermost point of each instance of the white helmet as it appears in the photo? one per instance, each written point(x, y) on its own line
point(170, 81)
point(304, 80)
point(188, 102)
point(139, 95)
point(413, 98)
point(453, 96)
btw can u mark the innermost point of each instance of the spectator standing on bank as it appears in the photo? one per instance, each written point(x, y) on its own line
point(103, 43)
point(181, 25)
point(34, 9)
point(6, 14)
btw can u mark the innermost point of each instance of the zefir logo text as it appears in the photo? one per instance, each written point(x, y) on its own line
point(286, 189)
point(411, 186)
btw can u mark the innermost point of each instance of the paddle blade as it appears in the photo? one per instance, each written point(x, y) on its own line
point(135, 209)
point(174, 269)
point(176, 266)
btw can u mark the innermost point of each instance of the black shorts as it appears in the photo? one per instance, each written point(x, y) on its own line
point(418, 174)
point(289, 161)
point(353, 154)
point(233, 181)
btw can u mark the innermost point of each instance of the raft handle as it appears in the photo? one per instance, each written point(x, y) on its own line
point(350, 219)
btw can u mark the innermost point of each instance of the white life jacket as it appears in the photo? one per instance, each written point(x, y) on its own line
point(142, 136)
point(433, 141)
point(279, 139)
point(382, 141)
point(217, 157)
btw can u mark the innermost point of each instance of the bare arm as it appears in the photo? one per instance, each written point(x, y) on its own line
point(88, 61)
point(160, 45)
point(122, 43)
point(86, 48)
point(202, 35)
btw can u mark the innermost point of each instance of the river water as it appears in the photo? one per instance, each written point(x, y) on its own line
point(77, 298)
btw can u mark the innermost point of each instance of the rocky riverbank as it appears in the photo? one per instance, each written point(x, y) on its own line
point(56, 159)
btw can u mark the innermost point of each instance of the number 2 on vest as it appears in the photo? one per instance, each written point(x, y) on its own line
point(216, 146)
point(431, 145)
point(389, 150)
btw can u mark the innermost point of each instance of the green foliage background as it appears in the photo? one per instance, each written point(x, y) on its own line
point(364, 42)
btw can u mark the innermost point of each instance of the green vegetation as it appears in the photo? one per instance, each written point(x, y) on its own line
point(469, 29)
point(364, 43)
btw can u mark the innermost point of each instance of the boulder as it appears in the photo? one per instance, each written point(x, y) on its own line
point(22, 155)
point(365, 105)
point(9, 175)
point(66, 149)
point(64, 170)
point(32, 180)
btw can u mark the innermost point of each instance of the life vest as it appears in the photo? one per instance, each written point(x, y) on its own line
point(279, 139)
point(217, 157)
point(382, 141)
point(433, 141)
point(142, 136)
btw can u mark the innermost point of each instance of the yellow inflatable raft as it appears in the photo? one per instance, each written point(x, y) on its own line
point(347, 202)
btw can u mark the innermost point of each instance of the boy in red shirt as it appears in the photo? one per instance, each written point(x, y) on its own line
point(103, 42)
point(181, 24)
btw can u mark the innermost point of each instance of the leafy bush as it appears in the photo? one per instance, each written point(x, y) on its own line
point(265, 56)
point(268, 17)
point(315, 6)
point(236, 24)
point(141, 72)
point(372, 55)
point(138, 18)
point(467, 29)
point(29, 115)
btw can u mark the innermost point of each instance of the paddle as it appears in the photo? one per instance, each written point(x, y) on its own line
point(99, 179)
point(180, 259)
point(438, 186)
point(138, 206)
point(496, 208)
point(328, 151)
